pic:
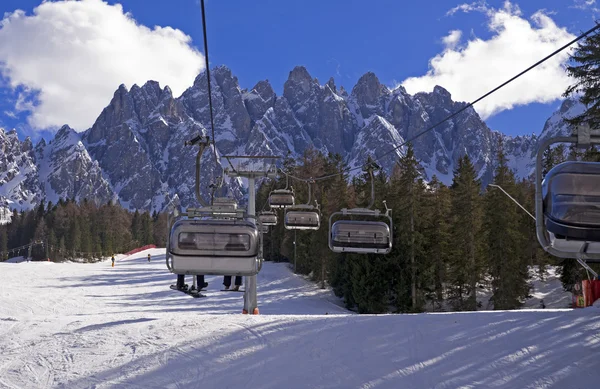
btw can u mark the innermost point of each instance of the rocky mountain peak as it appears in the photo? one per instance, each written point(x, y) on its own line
point(135, 150)
point(442, 92)
point(331, 85)
point(300, 75)
point(259, 99)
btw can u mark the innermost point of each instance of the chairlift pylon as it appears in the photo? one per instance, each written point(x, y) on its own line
point(362, 236)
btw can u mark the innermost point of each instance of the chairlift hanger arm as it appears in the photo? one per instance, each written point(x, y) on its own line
point(202, 141)
point(513, 199)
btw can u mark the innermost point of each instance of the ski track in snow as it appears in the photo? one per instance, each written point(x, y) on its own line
point(93, 326)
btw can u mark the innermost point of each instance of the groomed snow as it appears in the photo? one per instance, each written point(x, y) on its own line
point(76, 325)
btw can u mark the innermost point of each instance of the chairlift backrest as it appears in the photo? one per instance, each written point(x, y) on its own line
point(214, 247)
point(360, 237)
point(268, 218)
point(302, 220)
point(281, 198)
point(571, 200)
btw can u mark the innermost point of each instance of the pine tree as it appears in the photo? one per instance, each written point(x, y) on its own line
point(40, 235)
point(409, 190)
point(74, 238)
point(466, 264)
point(160, 230)
point(506, 264)
point(436, 204)
point(13, 230)
point(585, 70)
point(52, 245)
point(147, 234)
point(136, 227)
point(62, 249)
point(85, 236)
point(3, 243)
point(368, 291)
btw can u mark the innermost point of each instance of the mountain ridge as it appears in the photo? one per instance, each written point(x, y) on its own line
point(134, 151)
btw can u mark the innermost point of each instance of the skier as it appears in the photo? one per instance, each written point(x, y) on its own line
point(112, 258)
point(148, 257)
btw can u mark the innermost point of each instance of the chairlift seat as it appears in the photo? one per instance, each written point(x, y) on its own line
point(352, 236)
point(214, 247)
point(281, 198)
point(268, 218)
point(571, 201)
point(302, 220)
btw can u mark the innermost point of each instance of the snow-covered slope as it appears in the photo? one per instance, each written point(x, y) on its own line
point(93, 326)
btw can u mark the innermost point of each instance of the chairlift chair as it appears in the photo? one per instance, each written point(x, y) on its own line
point(281, 198)
point(571, 193)
point(304, 216)
point(214, 247)
point(268, 218)
point(215, 239)
point(568, 202)
point(298, 218)
point(361, 236)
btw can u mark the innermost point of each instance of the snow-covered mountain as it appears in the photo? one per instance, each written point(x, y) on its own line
point(135, 150)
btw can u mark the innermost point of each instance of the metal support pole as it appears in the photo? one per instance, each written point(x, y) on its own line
point(295, 245)
point(250, 294)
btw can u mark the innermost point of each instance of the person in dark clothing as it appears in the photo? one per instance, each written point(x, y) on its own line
point(201, 284)
point(227, 282)
point(181, 281)
point(234, 244)
point(181, 285)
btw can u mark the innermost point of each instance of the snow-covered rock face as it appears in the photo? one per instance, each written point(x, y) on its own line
point(19, 184)
point(61, 169)
point(135, 150)
point(66, 170)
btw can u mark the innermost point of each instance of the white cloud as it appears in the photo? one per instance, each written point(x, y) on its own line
point(587, 6)
point(452, 39)
point(76, 53)
point(471, 70)
point(478, 6)
point(10, 114)
point(584, 4)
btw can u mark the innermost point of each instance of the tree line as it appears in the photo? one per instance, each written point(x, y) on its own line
point(449, 242)
point(71, 230)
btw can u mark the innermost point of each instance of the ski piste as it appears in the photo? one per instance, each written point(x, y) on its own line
point(187, 291)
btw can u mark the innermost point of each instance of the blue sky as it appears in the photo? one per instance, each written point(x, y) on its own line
point(265, 39)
